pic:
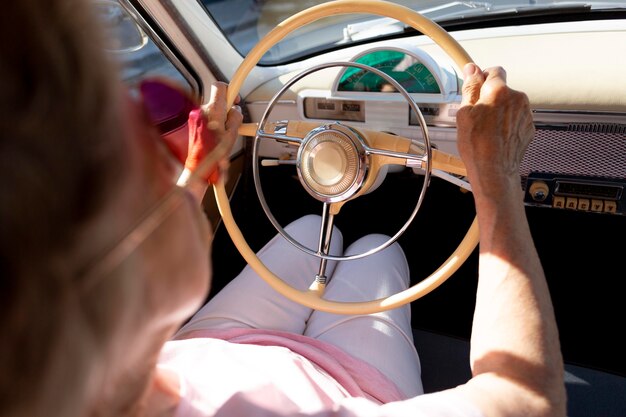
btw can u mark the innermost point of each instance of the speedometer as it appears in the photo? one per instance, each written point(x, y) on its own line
point(404, 68)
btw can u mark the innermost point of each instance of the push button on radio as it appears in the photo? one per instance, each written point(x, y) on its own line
point(571, 203)
point(610, 207)
point(597, 205)
point(558, 202)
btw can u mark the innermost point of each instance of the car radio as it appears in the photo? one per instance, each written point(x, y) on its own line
point(568, 192)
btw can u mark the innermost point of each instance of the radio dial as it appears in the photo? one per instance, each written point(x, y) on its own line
point(539, 190)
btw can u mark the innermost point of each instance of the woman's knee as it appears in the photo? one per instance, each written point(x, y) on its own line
point(372, 241)
point(388, 261)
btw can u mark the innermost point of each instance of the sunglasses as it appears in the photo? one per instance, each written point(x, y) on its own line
point(167, 104)
point(176, 114)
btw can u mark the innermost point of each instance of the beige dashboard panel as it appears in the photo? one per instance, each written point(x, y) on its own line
point(558, 71)
point(572, 71)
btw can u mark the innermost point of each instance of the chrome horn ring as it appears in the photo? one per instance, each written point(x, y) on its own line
point(310, 185)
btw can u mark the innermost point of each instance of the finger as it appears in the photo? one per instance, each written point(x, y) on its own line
point(495, 73)
point(472, 83)
point(495, 77)
point(219, 93)
point(234, 119)
point(215, 109)
point(494, 87)
point(219, 96)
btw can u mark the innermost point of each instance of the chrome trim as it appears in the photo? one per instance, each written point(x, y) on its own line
point(354, 141)
point(291, 140)
point(452, 179)
point(396, 154)
point(266, 102)
point(280, 128)
point(165, 49)
point(578, 112)
point(427, 161)
point(561, 119)
point(326, 234)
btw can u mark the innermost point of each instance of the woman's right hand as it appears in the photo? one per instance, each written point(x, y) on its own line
point(495, 126)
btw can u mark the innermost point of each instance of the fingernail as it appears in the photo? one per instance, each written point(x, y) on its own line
point(470, 69)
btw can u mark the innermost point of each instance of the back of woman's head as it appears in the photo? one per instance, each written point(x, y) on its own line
point(59, 160)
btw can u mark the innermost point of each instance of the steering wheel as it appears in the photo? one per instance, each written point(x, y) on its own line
point(389, 147)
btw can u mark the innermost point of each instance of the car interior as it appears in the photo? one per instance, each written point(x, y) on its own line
point(394, 78)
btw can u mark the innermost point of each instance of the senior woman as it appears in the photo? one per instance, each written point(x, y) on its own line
point(93, 292)
point(76, 150)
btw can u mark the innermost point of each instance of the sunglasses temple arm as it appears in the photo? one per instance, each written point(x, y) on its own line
point(209, 163)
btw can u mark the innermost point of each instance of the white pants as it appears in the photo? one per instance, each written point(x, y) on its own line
point(383, 339)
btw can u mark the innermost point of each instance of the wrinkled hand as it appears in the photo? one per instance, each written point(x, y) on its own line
point(209, 126)
point(495, 127)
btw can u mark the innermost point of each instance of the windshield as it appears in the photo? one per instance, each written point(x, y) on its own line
point(245, 22)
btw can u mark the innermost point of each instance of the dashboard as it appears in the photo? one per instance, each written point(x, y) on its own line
point(571, 74)
point(435, 88)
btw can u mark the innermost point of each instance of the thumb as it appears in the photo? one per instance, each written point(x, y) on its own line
point(472, 82)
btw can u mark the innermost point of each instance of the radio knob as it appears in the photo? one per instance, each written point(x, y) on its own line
point(539, 190)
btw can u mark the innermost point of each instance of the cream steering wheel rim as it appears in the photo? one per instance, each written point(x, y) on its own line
point(312, 297)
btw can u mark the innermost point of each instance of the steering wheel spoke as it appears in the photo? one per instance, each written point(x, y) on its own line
point(452, 179)
point(398, 158)
point(326, 234)
point(278, 131)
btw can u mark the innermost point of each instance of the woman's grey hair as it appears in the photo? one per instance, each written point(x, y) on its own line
point(61, 155)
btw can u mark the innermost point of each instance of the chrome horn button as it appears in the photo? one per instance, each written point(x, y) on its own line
point(331, 162)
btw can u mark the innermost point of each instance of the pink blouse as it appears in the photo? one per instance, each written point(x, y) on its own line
point(251, 372)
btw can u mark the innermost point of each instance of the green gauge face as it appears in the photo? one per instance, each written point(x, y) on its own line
point(403, 68)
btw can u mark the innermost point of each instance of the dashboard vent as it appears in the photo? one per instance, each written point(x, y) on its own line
point(597, 128)
point(585, 149)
